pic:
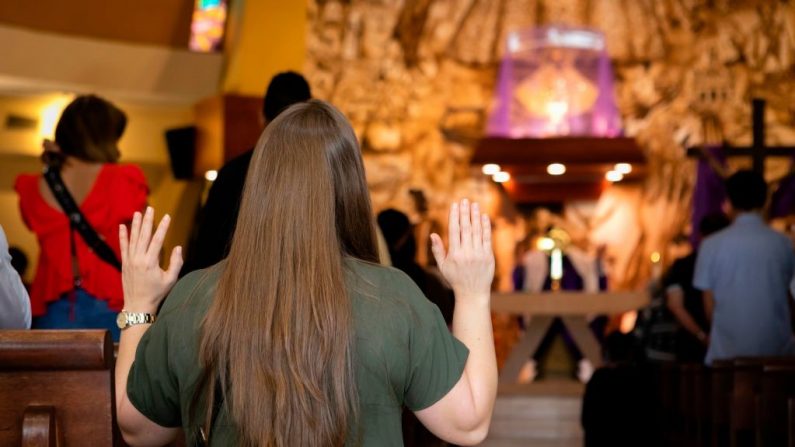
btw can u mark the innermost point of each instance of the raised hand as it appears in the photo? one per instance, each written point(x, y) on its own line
point(468, 265)
point(145, 283)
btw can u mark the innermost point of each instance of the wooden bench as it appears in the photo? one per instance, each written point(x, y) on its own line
point(57, 388)
point(720, 399)
point(772, 410)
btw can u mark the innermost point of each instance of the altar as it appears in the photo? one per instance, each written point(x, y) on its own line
point(573, 308)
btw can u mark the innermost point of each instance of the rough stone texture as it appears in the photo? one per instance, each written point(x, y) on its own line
point(416, 76)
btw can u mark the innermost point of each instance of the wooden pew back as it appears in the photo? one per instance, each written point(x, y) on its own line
point(777, 388)
point(57, 384)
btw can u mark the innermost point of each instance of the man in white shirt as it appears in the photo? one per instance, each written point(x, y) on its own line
point(14, 300)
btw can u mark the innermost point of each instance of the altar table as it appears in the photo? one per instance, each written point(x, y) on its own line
point(572, 308)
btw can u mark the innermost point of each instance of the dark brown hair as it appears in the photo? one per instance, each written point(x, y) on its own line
point(90, 128)
point(279, 335)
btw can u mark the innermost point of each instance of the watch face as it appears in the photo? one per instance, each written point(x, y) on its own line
point(121, 320)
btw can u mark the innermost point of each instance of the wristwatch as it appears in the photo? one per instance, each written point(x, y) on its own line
point(126, 319)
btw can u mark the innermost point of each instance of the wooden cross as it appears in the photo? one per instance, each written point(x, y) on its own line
point(758, 151)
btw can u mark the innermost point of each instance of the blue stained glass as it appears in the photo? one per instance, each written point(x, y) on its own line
point(207, 4)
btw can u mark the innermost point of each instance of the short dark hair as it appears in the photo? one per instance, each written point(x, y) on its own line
point(747, 190)
point(284, 90)
point(712, 223)
point(90, 128)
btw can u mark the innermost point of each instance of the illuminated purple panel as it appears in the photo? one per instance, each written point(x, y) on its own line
point(553, 82)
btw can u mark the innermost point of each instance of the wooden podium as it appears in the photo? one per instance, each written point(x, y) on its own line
point(572, 308)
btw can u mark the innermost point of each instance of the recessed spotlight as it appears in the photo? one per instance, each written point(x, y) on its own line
point(614, 176)
point(491, 169)
point(211, 175)
point(501, 177)
point(623, 168)
point(556, 169)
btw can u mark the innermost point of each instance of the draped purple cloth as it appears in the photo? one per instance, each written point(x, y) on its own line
point(709, 193)
point(555, 65)
point(783, 200)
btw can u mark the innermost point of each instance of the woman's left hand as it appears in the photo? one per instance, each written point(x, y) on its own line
point(145, 283)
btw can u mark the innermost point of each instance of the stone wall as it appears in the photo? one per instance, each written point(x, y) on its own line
point(416, 77)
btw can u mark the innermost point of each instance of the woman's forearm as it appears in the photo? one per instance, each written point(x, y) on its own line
point(128, 343)
point(472, 326)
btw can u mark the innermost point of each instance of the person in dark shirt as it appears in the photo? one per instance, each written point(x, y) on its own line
point(218, 217)
point(686, 302)
point(399, 236)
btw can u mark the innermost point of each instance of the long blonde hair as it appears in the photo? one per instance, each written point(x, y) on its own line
point(279, 335)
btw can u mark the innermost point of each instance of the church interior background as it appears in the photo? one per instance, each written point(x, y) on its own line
point(421, 81)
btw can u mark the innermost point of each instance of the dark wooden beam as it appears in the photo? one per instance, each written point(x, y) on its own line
point(524, 193)
point(568, 150)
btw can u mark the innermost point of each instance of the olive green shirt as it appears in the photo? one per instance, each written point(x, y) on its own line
point(405, 355)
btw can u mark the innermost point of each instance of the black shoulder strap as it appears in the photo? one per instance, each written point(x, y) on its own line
point(77, 220)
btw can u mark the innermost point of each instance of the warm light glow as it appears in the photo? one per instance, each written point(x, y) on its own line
point(501, 177)
point(211, 175)
point(614, 176)
point(50, 115)
point(491, 169)
point(545, 243)
point(655, 257)
point(628, 321)
point(556, 169)
point(623, 168)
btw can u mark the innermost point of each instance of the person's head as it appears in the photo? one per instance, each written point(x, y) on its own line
point(285, 89)
point(89, 129)
point(279, 334)
point(399, 235)
point(619, 347)
point(747, 191)
point(712, 223)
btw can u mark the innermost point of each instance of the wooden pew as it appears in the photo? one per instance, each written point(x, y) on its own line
point(57, 388)
point(776, 390)
point(720, 397)
point(747, 384)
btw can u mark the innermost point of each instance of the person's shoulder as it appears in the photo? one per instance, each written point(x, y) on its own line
point(193, 293)
point(377, 273)
point(27, 183)
point(126, 171)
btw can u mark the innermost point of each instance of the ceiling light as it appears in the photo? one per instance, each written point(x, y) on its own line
point(491, 169)
point(623, 168)
point(501, 177)
point(614, 176)
point(211, 175)
point(556, 169)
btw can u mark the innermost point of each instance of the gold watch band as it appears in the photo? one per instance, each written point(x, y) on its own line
point(127, 319)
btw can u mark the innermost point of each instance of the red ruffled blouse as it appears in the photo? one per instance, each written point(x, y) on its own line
point(117, 193)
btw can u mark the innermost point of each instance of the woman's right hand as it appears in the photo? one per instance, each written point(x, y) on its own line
point(468, 265)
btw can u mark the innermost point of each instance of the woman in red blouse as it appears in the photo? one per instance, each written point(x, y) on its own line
point(73, 287)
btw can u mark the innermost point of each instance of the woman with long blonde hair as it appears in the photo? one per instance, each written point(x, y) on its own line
point(299, 338)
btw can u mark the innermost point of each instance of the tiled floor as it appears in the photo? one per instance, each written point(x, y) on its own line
point(540, 415)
